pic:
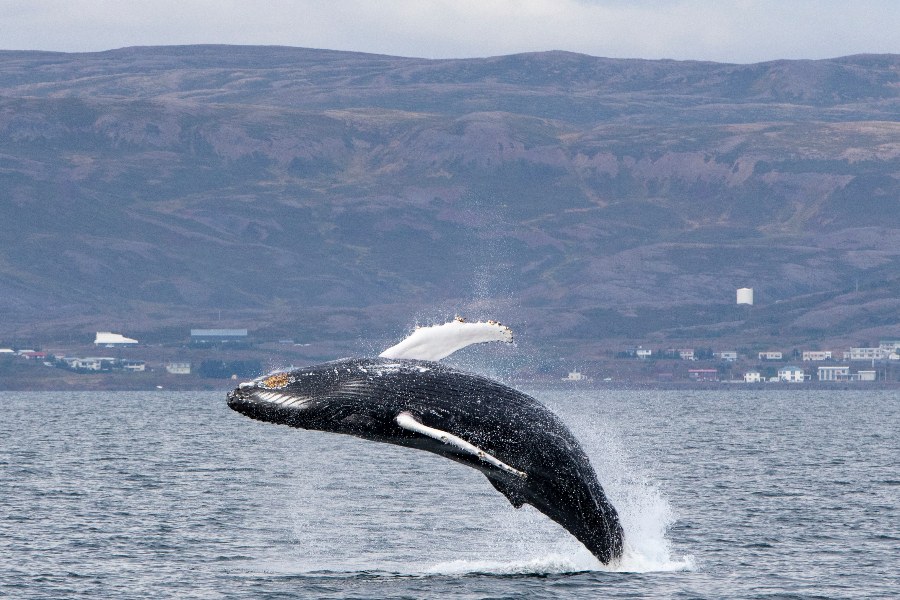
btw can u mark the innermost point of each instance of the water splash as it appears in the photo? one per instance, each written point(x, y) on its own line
point(645, 513)
point(543, 565)
point(646, 516)
point(399, 520)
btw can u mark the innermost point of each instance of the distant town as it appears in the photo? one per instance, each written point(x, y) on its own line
point(212, 358)
point(222, 350)
point(852, 364)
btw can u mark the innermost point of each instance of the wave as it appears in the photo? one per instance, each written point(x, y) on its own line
point(543, 565)
point(559, 564)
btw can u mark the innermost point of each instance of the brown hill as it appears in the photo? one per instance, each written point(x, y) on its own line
point(319, 194)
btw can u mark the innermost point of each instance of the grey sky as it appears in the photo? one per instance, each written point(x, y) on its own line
point(721, 30)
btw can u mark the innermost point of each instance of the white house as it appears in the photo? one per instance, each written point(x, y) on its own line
point(770, 355)
point(866, 375)
point(105, 338)
point(752, 377)
point(643, 353)
point(703, 374)
point(792, 374)
point(575, 375)
point(728, 355)
point(891, 349)
point(686, 353)
point(91, 363)
point(841, 373)
point(867, 354)
point(179, 368)
point(88, 364)
point(816, 355)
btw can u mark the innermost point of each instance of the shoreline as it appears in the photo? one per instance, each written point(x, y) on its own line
point(165, 384)
point(31, 376)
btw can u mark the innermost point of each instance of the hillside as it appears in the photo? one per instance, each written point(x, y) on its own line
point(322, 195)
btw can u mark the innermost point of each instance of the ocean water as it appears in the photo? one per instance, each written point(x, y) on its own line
point(769, 494)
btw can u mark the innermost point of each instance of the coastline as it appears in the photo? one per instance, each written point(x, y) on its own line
point(151, 381)
point(33, 376)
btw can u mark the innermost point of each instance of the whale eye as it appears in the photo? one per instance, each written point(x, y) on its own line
point(276, 381)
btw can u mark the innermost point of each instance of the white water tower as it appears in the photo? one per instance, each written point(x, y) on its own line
point(745, 296)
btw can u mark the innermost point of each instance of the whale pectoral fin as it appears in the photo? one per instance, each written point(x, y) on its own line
point(438, 341)
point(409, 422)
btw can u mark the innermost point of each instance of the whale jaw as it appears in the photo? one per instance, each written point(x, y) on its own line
point(271, 406)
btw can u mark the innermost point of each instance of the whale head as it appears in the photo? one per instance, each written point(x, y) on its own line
point(328, 396)
point(294, 398)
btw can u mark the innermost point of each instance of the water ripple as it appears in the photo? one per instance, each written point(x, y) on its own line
point(136, 495)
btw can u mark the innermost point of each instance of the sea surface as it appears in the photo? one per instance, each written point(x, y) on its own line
point(764, 494)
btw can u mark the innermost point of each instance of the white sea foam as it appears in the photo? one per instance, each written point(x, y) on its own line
point(642, 555)
point(551, 563)
point(646, 515)
point(534, 545)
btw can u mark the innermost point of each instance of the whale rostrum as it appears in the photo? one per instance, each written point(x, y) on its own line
point(525, 451)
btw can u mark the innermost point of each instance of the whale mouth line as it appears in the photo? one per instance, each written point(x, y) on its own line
point(263, 397)
point(276, 398)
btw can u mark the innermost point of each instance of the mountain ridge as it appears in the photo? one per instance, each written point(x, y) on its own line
point(599, 200)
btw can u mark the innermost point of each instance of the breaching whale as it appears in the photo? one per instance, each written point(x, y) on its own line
point(405, 397)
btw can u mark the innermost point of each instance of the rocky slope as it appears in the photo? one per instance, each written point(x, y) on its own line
point(317, 194)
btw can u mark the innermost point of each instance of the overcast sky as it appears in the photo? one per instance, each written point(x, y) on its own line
point(740, 31)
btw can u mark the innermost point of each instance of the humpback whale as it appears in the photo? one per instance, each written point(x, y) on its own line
point(405, 397)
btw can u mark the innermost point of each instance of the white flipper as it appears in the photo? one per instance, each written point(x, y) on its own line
point(439, 341)
point(409, 422)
